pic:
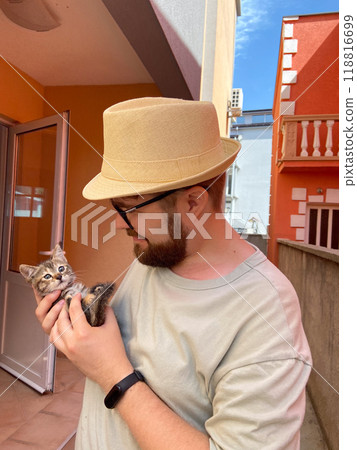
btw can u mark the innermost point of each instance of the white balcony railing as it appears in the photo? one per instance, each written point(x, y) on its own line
point(310, 137)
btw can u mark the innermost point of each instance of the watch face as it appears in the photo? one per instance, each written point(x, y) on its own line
point(119, 389)
point(112, 398)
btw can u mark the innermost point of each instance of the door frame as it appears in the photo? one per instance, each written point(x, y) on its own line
point(6, 123)
point(57, 230)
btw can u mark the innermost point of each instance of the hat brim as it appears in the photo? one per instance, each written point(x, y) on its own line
point(100, 187)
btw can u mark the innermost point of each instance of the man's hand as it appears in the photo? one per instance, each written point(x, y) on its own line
point(97, 351)
point(100, 354)
point(48, 318)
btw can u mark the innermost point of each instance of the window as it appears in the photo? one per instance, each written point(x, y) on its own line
point(323, 226)
point(240, 120)
point(28, 201)
point(229, 185)
point(232, 174)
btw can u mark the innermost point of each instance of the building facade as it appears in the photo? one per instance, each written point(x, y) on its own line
point(248, 180)
point(304, 189)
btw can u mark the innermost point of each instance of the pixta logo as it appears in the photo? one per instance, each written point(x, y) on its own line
point(82, 226)
point(89, 224)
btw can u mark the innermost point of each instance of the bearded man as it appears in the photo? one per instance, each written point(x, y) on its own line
point(203, 345)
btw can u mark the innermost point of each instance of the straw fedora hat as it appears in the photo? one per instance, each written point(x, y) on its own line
point(158, 144)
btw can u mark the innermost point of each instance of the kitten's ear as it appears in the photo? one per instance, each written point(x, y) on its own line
point(58, 253)
point(27, 271)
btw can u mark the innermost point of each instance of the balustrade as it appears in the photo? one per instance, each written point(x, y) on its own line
point(302, 137)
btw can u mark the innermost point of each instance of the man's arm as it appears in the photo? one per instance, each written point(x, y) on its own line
point(259, 406)
point(100, 354)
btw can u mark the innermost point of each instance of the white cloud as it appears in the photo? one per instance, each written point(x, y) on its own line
point(254, 14)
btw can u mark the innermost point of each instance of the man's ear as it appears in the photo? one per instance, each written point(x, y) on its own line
point(196, 199)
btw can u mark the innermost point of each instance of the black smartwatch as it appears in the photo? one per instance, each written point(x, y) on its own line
point(119, 389)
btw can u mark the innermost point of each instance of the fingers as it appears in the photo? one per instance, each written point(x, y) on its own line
point(76, 313)
point(50, 319)
point(46, 316)
point(68, 321)
point(61, 326)
point(45, 303)
point(69, 326)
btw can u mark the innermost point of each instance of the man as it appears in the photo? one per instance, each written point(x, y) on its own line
point(210, 327)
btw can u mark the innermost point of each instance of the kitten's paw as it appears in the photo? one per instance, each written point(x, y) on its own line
point(95, 302)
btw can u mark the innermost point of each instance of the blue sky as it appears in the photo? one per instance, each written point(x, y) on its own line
point(257, 45)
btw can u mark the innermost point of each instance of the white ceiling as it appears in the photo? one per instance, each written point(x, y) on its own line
point(88, 47)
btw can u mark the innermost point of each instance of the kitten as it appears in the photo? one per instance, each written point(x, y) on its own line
point(56, 273)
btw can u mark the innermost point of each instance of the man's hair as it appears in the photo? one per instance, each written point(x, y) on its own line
point(215, 188)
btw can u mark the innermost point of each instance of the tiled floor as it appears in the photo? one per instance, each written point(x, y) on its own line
point(311, 437)
point(30, 421)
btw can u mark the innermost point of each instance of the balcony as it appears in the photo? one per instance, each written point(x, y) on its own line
point(309, 143)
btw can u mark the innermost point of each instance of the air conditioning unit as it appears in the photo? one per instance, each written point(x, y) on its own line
point(237, 98)
point(236, 104)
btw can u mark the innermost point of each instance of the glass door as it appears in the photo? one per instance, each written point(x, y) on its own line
point(33, 224)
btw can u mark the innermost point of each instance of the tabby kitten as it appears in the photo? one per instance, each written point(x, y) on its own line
point(56, 273)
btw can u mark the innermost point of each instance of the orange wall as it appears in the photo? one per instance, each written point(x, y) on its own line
point(86, 105)
point(19, 102)
point(285, 206)
point(317, 65)
point(316, 92)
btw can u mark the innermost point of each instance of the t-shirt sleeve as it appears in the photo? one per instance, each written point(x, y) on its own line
point(261, 405)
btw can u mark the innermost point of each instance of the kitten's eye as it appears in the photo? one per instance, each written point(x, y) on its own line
point(47, 276)
point(61, 269)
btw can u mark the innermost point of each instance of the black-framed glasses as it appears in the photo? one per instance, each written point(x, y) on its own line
point(123, 212)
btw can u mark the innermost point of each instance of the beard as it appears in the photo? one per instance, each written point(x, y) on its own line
point(165, 254)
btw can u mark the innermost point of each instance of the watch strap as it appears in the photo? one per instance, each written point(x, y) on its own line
point(130, 380)
point(121, 387)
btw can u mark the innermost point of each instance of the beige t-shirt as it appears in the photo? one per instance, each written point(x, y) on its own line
point(228, 355)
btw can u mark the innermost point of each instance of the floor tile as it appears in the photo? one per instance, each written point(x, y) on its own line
point(6, 431)
point(311, 437)
point(5, 379)
point(30, 420)
point(45, 430)
point(65, 404)
point(10, 408)
point(31, 401)
point(78, 386)
point(70, 444)
point(67, 375)
point(14, 445)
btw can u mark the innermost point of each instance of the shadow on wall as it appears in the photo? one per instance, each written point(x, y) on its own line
point(160, 55)
point(190, 67)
